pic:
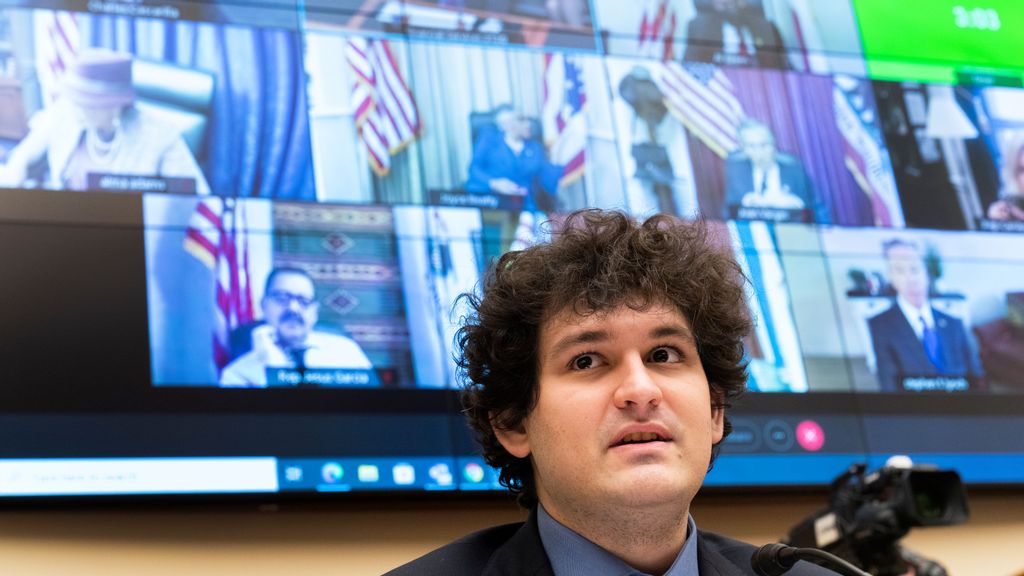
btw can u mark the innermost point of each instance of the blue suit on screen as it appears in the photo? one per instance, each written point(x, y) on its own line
point(530, 168)
point(899, 354)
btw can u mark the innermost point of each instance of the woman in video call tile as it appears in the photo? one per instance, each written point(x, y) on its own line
point(1010, 206)
point(508, 159)
point(95, 128)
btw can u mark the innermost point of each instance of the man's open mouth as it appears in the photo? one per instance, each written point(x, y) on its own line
point(640, 438)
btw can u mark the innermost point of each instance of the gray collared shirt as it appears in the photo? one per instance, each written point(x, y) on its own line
point(574, 555)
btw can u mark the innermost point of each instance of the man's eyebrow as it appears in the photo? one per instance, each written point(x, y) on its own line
point(673, 330)
point(585, 337)
point(592, 336)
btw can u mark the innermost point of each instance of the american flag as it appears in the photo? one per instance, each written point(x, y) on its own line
point(57, 40)
point(217, 236)
point(386, 113)
point(657, 30)
point(703, 98)
point(565, 124)
point(865, 157)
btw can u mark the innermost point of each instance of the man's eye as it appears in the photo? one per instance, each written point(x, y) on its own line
point(665, 354)
point(584, 362)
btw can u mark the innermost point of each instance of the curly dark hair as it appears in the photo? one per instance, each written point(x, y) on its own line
point(598, 261)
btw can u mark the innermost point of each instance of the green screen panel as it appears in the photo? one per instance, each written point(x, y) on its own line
point(943, 40)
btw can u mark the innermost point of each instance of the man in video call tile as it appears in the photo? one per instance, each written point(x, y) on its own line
point(912, 340)
point(758, 176)
point(287, 338)
point(731, 33)
point(599, 367)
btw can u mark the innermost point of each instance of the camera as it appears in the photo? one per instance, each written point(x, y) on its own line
point(868, 514)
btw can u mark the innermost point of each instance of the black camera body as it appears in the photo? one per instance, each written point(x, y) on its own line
point(869, 513)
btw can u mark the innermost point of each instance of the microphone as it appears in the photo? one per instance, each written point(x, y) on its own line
point(776, 559)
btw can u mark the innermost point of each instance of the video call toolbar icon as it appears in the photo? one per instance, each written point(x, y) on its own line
point(810, 436)
point(778, 435)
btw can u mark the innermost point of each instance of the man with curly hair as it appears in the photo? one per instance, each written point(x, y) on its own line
point(599, 367)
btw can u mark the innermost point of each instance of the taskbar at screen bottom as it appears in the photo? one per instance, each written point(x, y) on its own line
point(33, 477)
point(89, 477)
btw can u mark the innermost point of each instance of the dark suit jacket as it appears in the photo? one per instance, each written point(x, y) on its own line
point(899, 354)
point(739, 180)
point(704, 41)
point(516, 550)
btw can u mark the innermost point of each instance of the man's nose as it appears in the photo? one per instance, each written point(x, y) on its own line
point(637, 390)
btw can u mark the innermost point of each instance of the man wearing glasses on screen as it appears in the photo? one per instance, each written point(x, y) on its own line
point(597, 370)
point(287, 351)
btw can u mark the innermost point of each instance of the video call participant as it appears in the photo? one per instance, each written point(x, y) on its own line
point(731, 33)
point(599, 368)
point(1001, 347)
point(1010, 206)
point(759, 176)
point(508, 159)
point(94, 128)
point(287, 339)
point(912, 339)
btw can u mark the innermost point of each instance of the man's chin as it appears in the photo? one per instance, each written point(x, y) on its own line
point(651, 493)
point(292, 338)
point(651, 487)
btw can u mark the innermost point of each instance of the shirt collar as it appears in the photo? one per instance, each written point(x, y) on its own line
point(573, 555)
point(313, 340)
point(916, 315)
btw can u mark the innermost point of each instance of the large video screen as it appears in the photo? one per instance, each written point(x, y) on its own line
point(237, 233)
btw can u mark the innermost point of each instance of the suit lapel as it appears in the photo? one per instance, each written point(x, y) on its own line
point(917, 360)
point(522, 555)
point(712, 563)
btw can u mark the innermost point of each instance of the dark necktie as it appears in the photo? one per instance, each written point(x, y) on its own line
point(298, 356)
point(932, 346)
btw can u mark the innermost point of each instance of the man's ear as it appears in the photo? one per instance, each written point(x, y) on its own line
point(515, 440)
point(717, 416)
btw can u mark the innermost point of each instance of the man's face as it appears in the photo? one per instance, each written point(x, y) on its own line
point(624, 414)
point(759, 145)
point(907, 274)
point(290, 307)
